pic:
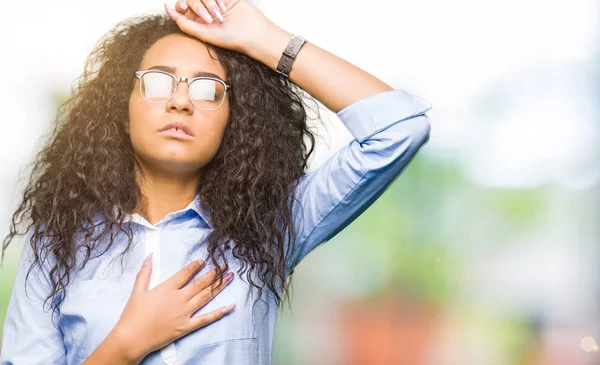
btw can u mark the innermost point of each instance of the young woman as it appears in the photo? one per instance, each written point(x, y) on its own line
point(183, 147)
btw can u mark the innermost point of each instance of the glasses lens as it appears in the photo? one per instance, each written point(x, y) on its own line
point(207, 94)
point(157, 87)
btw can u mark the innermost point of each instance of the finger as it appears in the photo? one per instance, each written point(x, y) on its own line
point(213, 9)
point(142, 280)
point(181, 6)
point(183, 9)
point(178, 13)
point(173, 14)
point(222, 6)
point(184, 275)
point(199, 300)
point(198, 7)
point(210, 317)
point(201, 283)
point(188, 26)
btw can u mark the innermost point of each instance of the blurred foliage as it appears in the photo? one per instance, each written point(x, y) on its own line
point(431, 214)
point(405, 222)
point(7, 277)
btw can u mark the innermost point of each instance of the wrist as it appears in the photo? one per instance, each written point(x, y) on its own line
point(125, 345)
point(268, 48)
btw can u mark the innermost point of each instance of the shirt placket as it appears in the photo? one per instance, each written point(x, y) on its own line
point(168, 353)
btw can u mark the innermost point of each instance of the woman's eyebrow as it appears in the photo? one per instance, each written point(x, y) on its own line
point(173, 70)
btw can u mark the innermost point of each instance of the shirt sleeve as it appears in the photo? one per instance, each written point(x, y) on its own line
point(29, 335)
point(388, 130)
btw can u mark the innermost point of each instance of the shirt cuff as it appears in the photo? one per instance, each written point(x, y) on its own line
point(375, 113)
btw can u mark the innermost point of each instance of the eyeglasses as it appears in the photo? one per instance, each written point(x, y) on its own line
point(159, 87)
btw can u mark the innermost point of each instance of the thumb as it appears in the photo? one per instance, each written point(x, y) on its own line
point(142, 280)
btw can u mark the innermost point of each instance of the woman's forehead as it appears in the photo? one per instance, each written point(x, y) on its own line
point(184, 55)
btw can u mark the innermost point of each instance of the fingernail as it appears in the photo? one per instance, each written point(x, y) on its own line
point(147, 260)
point(204, 14)
point(218, 15)
point(201, 262)
point(170, 12)
point(222, 5)
point(228, 277)
point(228, 309)
point(183, 5)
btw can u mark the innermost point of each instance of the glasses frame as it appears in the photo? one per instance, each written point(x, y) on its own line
point(227, 87)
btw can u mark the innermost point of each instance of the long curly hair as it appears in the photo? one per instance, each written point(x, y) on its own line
point(85, 168)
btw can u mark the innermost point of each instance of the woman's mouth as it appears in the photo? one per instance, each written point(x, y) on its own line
point(176, 133)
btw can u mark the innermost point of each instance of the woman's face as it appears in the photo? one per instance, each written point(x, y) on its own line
point(163, 150)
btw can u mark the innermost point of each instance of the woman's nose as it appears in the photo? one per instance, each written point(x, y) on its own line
point(181, 100)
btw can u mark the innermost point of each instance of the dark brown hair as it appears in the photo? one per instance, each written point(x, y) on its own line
point(87, 165)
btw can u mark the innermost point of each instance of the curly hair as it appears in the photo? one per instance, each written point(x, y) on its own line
point(86, 166)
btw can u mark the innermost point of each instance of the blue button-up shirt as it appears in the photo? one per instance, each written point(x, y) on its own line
point(388, 130)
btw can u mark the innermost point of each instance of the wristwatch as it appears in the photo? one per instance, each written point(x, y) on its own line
point(289, 55)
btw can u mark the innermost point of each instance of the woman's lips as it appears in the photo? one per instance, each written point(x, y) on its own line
point(176, 134)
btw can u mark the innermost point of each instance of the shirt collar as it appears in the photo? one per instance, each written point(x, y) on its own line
point(193, 205)
point(197, 207)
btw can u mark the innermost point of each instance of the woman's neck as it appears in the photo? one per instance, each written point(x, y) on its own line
point(163, 194)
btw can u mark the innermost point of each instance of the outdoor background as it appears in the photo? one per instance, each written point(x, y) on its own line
point(484, 252)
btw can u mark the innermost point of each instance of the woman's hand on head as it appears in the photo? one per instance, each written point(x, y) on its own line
point(241, 22)
point(154, 318)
